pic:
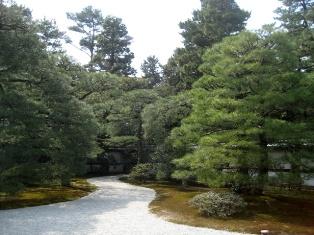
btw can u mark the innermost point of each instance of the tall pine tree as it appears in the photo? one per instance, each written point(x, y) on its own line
point(88, 22)
point(113, 52)
point(215, 20)
point(251, 115)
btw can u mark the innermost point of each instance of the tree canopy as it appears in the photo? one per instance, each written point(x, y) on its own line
point(88, 22)
point(215, 20)
point(46, 133)
point(152, 70)
point(113, 52)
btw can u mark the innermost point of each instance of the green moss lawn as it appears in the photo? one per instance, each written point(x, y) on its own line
point(280, 211)
point(35, 196)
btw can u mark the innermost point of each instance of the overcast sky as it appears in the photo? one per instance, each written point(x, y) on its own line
point(153, 24)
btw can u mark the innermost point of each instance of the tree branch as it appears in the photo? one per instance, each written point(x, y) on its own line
point(86, 95)
point(80, 49)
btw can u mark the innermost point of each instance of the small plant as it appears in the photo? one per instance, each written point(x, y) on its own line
point(143, 172)
point(219, 204)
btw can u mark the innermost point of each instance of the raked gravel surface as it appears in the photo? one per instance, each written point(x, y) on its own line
point(116, 208)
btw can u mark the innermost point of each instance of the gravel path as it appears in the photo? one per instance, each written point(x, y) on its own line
point(115, 208)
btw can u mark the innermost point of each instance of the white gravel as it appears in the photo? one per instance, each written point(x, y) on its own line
point(115, 208)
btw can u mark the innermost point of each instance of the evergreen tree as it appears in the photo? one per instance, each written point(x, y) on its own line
point(159, 119)
point(162, 116)
point(215, 20)
point(117, 103)
point(244, 109)
point(126, 119)
point(51, 36)
point(46, 133)
point(113, 52)
point(181, 70)
point(152, 70)
point(89, 23)
point(298, 18)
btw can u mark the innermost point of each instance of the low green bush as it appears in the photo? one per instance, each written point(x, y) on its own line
point(143, 172)
point(219, 204)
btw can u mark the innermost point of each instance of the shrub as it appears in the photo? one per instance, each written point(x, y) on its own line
point(163, 171)
point(143, 172)
point(219, 204)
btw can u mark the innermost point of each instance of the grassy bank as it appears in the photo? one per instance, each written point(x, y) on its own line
point(46, 195)
point(281, 212)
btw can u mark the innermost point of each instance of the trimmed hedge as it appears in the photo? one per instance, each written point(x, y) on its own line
point(219, 204)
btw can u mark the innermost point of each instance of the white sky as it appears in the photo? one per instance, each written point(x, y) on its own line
point(153, 24)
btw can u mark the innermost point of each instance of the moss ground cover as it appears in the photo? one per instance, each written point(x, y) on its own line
point(280, 211)
point(36, 196)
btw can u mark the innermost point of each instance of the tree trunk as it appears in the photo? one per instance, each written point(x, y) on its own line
point(263, 165)
point(140, 143)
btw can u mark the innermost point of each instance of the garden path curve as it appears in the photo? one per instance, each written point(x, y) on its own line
point(116, 208)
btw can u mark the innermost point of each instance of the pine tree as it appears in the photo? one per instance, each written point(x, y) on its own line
point(113, 52)
point(250, 103)
point(298, 18)
point(51, 36)
point(152, 69)
point(215, 20)
point(45, 132)
point(88, 22)
point(159, 118)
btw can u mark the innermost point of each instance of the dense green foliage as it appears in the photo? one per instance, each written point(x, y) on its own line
point(117, 103)
point(152, 70)
point(215, 20)
point(252, 114)
point(231, 108)
point(106, 40)
point(143, 172)
point(298, 18)
point(159, 119)
point(45, 131)
point(113, 52)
